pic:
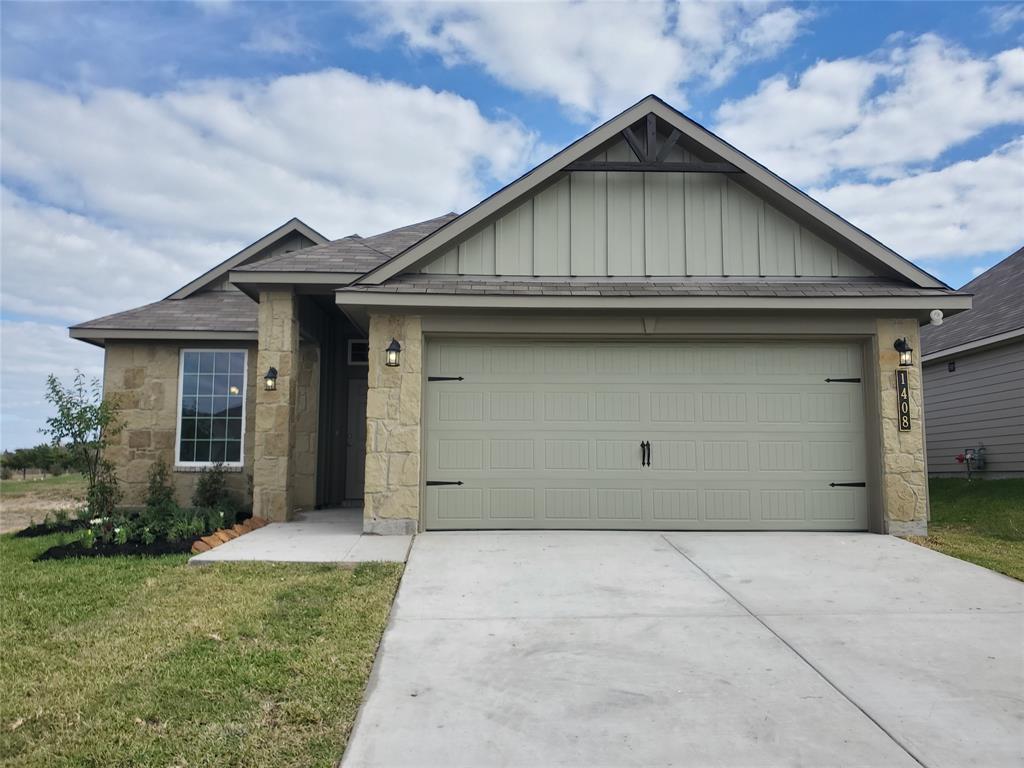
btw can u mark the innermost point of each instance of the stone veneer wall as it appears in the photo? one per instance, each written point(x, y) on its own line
point(391, 501)
point(143, 376)
point(273, 486)
point(904, 472)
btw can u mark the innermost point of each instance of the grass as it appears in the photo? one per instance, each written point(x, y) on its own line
point(53, 487)
point(981, 522)
point(131, 661)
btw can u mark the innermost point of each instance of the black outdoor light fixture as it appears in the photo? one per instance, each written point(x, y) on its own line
point(391, 354)
point(270, 380)
point(905, 350)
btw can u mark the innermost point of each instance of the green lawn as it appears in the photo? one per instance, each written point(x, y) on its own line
point(58, 486)
point(981, 521)
point(130, 661)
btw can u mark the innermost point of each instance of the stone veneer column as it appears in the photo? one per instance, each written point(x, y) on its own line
point(275, 434)
point(391, 495)
point(904, 473)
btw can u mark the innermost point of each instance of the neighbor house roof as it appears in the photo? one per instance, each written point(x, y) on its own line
point(352, 254)
point(749, 173)
point(997, 313)
point(223, 314)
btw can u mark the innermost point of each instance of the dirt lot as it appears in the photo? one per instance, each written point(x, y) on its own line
point(23, 502)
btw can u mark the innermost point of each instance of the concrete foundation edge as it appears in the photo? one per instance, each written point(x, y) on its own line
point(387, 526)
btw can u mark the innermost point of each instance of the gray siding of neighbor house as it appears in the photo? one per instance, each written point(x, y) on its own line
point(981, 402)
point(644, 224)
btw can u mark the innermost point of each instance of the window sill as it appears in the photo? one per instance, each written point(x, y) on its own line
point(196, 468)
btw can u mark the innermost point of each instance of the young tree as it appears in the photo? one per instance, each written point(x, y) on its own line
point(84, 425)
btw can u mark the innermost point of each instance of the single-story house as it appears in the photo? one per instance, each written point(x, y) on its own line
point(974, 378)
point(649, 330)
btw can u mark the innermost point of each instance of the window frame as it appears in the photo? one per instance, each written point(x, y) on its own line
point(353, 342)
point(187, 465)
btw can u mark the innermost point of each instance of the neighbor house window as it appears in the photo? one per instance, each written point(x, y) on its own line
point(211, 406)
point(358, 352)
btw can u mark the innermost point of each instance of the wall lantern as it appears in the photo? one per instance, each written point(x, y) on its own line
point(392, 353)
point(905, 350)
point(270, 379)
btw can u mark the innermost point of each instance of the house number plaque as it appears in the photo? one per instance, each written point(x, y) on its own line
point(903, 399)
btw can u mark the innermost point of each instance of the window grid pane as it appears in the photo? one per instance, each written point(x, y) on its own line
point(212, 406)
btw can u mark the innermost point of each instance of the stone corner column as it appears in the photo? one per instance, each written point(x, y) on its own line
point(904, 469)
point(391, 494)
point(275, 434)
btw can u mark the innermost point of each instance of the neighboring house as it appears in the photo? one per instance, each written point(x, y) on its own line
point(974, 376)
point(647, 331)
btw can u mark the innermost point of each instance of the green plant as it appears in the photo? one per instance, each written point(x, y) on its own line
point(84, 425)
point(159, 490)
point(212, 493)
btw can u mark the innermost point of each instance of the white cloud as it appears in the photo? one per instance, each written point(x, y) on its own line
point(283, 38)
point(975, 271)
point(113, 199)
point(1003, 18)
point(880, 115)
point(595, 58)
point(964, 209)
point(32, 351)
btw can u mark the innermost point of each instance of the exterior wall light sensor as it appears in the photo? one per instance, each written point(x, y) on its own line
point(392, 353)
point(270, 379)
point(906, 352)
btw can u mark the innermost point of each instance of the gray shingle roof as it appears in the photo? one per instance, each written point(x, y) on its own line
point(619, 286)
point(998, 307)
point(212, 311)
point(352, 253)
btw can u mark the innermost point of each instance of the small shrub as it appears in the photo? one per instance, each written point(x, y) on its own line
point(212, 493)
point(159, 492)
point(6, 473)
point(105, 493)
point(56, 470)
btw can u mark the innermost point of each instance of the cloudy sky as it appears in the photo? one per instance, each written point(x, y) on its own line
point(142, 143)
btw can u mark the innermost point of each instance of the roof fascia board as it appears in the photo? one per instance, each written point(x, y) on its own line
point(103, 334)
point(946, 302)
point(510, 194)
point(236, 277)
point(973, 346)
point(289, 227)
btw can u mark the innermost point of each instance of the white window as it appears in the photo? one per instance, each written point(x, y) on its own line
point(211, 407)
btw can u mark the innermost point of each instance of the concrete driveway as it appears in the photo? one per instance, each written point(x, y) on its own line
point(694, 649)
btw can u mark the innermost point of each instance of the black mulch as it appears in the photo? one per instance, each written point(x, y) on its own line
point(45, 529)
point(75, 549)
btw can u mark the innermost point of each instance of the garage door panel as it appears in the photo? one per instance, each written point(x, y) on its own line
point(743, 436)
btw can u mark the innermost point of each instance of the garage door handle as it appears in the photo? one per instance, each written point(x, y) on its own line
point(848, 485)
point(645, 453)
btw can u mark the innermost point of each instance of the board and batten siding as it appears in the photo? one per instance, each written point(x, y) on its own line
point(625, 224)
point(979, 403)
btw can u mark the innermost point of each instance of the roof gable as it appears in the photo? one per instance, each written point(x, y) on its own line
point(294, 228)
point(706, 152)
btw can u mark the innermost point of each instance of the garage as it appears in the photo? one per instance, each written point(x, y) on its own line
point(688, 435)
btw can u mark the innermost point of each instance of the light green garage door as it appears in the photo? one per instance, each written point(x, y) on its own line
point(742, 436)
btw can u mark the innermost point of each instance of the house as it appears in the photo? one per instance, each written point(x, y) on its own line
point(973, 368)
point(649, 330)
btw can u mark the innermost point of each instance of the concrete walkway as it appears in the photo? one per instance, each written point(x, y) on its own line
point(324, 536)
point(736, 649)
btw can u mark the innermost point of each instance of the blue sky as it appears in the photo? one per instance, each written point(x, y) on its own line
point(143, 143)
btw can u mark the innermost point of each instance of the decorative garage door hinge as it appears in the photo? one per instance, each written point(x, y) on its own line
point(444, 482)
point(848, 485)
point(851, 381)
point(445, 378)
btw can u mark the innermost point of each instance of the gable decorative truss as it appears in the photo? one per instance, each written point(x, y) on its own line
point(289, 228)
point(717, 157)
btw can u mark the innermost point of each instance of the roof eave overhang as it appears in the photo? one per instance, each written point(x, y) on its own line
point(917, 306)
point(974, 346)
point(764, 179)
point(99, 336)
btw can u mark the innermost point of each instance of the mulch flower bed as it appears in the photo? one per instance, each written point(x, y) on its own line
point(45, 529)
point(75, 549)
point(203, 544)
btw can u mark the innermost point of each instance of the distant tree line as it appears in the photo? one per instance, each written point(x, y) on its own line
point(52, 459)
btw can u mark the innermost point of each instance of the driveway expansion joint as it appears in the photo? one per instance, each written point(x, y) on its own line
point(803, 658)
